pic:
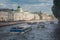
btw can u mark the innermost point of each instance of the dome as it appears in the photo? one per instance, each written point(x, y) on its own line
point(19, 9)
point(19, 6)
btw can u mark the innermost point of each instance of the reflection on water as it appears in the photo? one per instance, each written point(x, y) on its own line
point(57, 32)
point(49, 32)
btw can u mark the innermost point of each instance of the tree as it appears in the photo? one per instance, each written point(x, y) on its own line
point(40, 15)
point(51, 17)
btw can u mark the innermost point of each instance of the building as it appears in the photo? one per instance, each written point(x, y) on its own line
point(6, 14)
point(19, 14)
point(16, 15)
point(47, 17)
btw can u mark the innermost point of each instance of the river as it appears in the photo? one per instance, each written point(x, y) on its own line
point(48, 32)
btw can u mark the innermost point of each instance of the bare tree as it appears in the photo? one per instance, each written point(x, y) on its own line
point(40, 15)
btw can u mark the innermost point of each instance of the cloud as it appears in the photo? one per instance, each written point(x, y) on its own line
point(3, 1)
point(1, 4)
point(36, 5)
point(45, 7)
point(12, 6)
point(28, 5)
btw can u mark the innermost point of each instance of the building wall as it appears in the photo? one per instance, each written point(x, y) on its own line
point(6, 16)
point(3, 16)
point(36, 17)
point(12, 16)
point(28, 16)
point(46, 17)
point(23, 16)
point(17, 16)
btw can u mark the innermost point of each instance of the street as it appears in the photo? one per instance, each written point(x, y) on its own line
point(48, 32)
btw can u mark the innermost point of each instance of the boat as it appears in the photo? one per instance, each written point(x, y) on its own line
point(41, 25)
point(21, 29)
point(51, 22)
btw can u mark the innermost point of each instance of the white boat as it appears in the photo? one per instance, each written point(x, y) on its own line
point(20, 29)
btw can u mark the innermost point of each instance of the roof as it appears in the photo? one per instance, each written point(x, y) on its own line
point(6, 10)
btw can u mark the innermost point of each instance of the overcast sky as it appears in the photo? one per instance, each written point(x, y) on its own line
point(28, 5)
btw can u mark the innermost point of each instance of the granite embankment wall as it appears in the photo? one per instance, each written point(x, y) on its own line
point(9, 23)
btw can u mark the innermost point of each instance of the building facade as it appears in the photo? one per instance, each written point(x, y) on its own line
point(16, 15)
point(6, 15)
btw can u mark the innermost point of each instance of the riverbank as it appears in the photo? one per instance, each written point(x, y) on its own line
point(18, 22)
point(10, 23)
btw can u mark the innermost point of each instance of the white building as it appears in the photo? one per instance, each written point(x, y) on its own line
point(21, 15)
point(6, 14)
point(16, 15)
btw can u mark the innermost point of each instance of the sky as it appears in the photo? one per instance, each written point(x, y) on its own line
point(28, 5)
